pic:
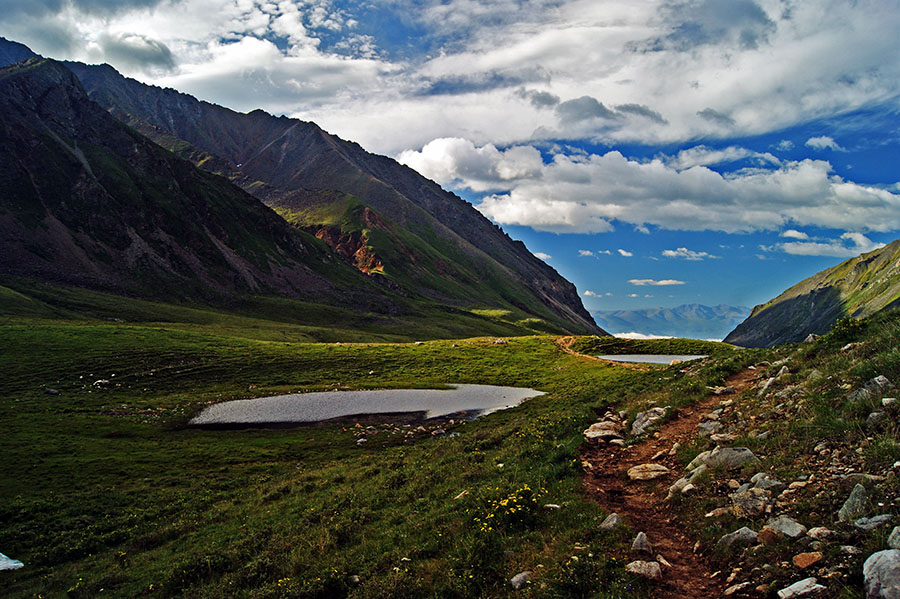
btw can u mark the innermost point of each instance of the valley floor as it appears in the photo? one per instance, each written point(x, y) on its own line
point(107, 493)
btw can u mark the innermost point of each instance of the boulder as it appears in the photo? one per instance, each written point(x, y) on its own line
point(893, 540)
point(874, 389)
point(641, 544)
point(520, 580)
point(855, 505)
point(645, 420)
point(750, 503)
point(803, 589)
point(647, 472)
point(806, 560)
point(881, 575)
point(741, 537)
point(649, 570)
point(787, 526)
point(611, 522)
point(604, 430)
point(730, 458)
point(867, 524)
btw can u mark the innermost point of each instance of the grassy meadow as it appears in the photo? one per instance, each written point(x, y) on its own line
point(106, 491)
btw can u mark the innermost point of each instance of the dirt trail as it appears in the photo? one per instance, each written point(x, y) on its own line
point(643, 503)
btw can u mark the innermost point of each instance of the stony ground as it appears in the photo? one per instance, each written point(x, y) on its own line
point(761, 510)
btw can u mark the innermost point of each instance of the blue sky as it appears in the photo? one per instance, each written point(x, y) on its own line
point(655, 153)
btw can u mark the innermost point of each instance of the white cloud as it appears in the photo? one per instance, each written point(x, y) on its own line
point(582, 194)
point(822, 143)
point(785, 145)
point(687, 254)
point(794, 234)
point(847, 246)
point(625, 253)
point(665, 72)
point(592, 294)
point(542, 256)
point(704, 156)
point(639, 336)
point(607, 252)
point(662, 283)
point(585, 253)
point(633, 295)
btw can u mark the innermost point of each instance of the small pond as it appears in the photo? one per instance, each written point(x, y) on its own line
point(299, 408)
point(650, 358)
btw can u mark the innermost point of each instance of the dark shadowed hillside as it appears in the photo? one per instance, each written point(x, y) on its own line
point(858, 287)
point(448, 251)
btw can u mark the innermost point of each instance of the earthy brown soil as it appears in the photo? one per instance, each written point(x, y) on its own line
point(643, 504)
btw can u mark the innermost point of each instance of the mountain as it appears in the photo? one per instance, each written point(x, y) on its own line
point(857, 288)
point(12, 52)
point(87, 201)
point(381, 216)
point(402, 233)
point(688, 320)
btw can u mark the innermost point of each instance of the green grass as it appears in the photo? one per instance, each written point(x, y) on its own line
point(104, 487)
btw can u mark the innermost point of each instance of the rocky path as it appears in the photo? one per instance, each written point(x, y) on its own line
point(642, 503)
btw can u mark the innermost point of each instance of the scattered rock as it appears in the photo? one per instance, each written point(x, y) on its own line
point(855, 505)
point(810, 338)
point(806, 560)
point(881, 575)
point(520, 580)
point(888, 401)
point(50, 391)
point(893, 540)
point(552, 506)
point(663, 561)
point(820, 533)
point(741, 537)
point(750, 503)
point(645, 420)
point(730, 458)
point(874, 522)
point(361, 441)
point(805, 589)
point(611, 522)
point(675, 362)
point(718, 512)
point(769, 536)
point(641, 544)
point(647, 472)
point(604, 430)
point(764, 386)
point(101, 383)
point(707, 429)
point(735, 589)
point(874, 389)
point(787, 526)
point(850, 550)
point(859, 478)
point(649, 570)
point(761, 480)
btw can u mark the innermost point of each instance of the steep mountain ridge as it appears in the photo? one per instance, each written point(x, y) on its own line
point(857, 288)
point(88, 201)
point(283, 161)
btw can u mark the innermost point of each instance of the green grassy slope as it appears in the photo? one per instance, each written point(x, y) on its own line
point(105, 489)
point(858, 287)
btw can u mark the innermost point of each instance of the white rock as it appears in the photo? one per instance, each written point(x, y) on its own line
point(9, 564)
point(647, 472)
point(881, 575)
point(650, 570)
point(520, 580)
point(805, 588)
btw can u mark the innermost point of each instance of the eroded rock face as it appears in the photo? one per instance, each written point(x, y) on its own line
point(881, 575)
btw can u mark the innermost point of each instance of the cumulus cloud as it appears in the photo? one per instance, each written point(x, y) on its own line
point(794, 234)
point(542, 256)
point(538, 99)
point(625, 253)
point(641, 110)
point(823, 143)
point(455, 161)
point(702, 22)
point(847, 246)
point(585, 253)
point(705, 156)
point(581, 194)
point(687, 254)
point(785, 145)
point(662, 283)
point(592, 294)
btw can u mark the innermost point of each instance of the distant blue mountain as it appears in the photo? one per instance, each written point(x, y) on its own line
point(693, 321)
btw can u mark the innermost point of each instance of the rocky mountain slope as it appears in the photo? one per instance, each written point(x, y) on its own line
point(856, 288)
point(85, 200)
point(688, 320)
point(449, 251)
